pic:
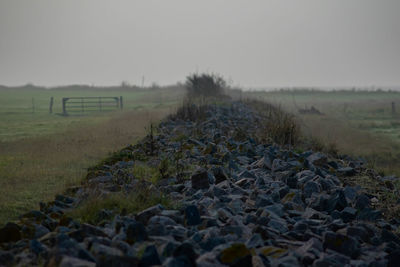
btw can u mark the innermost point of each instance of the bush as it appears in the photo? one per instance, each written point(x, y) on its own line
point(205, 85)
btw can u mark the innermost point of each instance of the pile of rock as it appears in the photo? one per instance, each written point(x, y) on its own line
point(242, 204)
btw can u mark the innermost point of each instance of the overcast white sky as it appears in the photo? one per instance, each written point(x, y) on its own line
point(255, 43)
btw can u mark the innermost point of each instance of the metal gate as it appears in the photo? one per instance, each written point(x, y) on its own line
point(75, 105)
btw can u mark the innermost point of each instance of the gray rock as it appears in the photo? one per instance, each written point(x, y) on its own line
point(348, 214)
point(280, 165)
point(146, 214)
point(317, 159)
point(362, 202)
point(186, 254)
point(200, 179)
point(11, 232)
point(6, 257)
point(265, 162)
point(347, 171)
point(337, 201)
point(102, 251)
point(279, 225)
point(40, 231)
point(150, 257)
point(101, 179)
point(192, 215)
point(37, 248)
point(262, 201)
point(135, 232)
point(219, 174)
point(393, 258)
point(368, 214)
point(246, 174)
point(343, 244)
point(311, 187)
point(331, 260)
point(358, 232)
point(350, 193)
point(255, 241)
point(68, 261)
point(275, 209)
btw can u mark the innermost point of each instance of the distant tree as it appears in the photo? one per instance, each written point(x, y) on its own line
point(208, 85)
point(125, 84)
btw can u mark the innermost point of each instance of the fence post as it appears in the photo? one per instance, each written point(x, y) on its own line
point(33, 105)
point(64, 100)
point(100, 104)
point(51, 105)
point(393, 108)
point(120, 102)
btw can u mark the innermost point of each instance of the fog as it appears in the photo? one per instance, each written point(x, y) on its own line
point(252, 43)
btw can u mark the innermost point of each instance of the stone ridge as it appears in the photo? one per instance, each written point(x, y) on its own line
point(241, 203)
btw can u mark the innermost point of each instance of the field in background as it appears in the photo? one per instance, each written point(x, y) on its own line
point(24, 112)
point(42, 154)
point(357, 123)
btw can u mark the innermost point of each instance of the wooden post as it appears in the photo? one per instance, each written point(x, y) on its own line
point(393, 108)
point(100, 104)
point(64, 100)
point(51, 105)
point(82, 107)
point(120, 102)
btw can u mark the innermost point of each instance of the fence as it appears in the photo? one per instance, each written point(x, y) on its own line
point(90, 104)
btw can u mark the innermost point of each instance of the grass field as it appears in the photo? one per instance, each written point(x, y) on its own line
point(42, 154)
point(18, 118)
point(357, 123)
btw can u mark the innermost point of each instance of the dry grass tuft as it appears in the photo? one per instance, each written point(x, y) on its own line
point(277, 125)
point(98, 208)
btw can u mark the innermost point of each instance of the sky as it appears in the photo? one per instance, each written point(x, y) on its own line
point(252, 43)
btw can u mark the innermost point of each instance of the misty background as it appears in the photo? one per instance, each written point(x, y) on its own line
point(253, 43)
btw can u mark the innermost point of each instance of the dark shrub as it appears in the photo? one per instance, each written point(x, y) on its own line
point(205, 85)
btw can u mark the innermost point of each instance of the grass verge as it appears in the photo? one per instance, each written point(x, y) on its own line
point(96, 209)
point(36, 169)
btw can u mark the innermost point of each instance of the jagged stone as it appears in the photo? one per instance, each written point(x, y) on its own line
point(11, 232)
point(236, 255)
point(150, 257)
point(192, 215)
point(135, 232)
point(146, 214)
point(342, 244)
point(200, 179)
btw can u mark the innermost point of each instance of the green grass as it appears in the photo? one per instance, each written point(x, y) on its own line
point(96, 208)
point(18, 121)
point(42, 154)
point(354, 123)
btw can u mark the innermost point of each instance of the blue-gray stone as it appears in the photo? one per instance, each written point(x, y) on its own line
point(311, 187)
point(150, 257)
point(211, 242)
point(136, 232)
point(348, 214)
point(369, 214)
point(341, 243)
point(347, 171)
point(192, 215)
point(362, 202)
point(36, 247)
